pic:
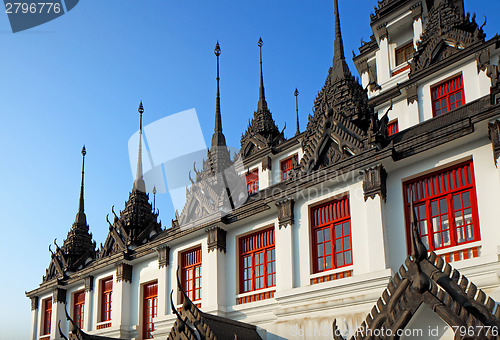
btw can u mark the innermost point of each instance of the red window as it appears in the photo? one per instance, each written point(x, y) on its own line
point(191, 273)
point(150, 304)
point(392, 128)
point(331, 230)
point(257, 261)
point(47, 316)
point(447, 96)
point(445, 206)
point(404, 53)
point(79, 304)
point(106, 292)
point(287, 166)
point(253, 182)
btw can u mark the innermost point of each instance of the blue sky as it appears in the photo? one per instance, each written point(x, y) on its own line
point(79, 79)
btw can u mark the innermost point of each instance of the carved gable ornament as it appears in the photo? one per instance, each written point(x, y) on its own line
point(448, 31)
point(425, 279)
point(330, 137)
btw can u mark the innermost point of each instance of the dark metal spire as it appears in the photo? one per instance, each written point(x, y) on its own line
point(296, 94)
point(340, 68)
point(262, 97)
point(81, 219)
point(139, 181)
point(218, 138)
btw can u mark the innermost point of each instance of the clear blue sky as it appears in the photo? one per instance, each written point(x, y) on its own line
point(79, 79)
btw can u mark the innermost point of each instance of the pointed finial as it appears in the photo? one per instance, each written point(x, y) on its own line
point(80, 216)
point(140, 110)
point(218, 138)
point(340, 68)
point(139, 181)
point(262, 97)
point(154, 197)
point(296, 94)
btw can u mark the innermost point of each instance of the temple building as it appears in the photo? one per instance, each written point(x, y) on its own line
point(378, 221)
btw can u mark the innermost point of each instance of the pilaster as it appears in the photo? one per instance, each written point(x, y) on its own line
point(58, 313)
point(284, 244)
point(214, 265)
point(383, 60)
point(87, 308)
point(163, 280)
point(121, 301)
point(34, 317)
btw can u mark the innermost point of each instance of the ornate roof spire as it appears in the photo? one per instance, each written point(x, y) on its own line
point(218, 138)
point(262, 96)
point(139, 181)
point(340, 68)
point(81, 219)
point(296, 94)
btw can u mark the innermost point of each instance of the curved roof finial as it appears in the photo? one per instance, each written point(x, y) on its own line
point(418, 249)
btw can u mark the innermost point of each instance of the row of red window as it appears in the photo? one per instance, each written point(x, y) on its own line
point(150, 307)
point(446, 212)
point(286, 167)
point(445, 97)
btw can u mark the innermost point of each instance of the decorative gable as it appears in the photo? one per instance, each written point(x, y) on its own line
point(448, 31)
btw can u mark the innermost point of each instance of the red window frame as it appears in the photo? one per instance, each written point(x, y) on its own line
point(252, 179)
point(392, 128)
point(78, 308)
point(106, 298)
point(191, 273)
point(331, 235)
point(446, 207)
point(286, 167)
point(257, 261)
point(150, 309)
point(404, 53)
point(447, 95)
point(47, 316)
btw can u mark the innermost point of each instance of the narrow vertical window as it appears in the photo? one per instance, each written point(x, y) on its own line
point(445, 207)
point(106, 293)
point(331, 234)
point(150, 305)
point(191, 273)
point(287, 167)
point(253, 182)
point(79, 304)
point(447, 96)
point(392, 128)
point(257, 261)
point(47, 316)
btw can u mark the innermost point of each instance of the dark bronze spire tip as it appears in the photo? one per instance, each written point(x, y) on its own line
point(141, 108)
point(296, 93)
point(84, 151)
point(217, 50)
point(260, 43)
